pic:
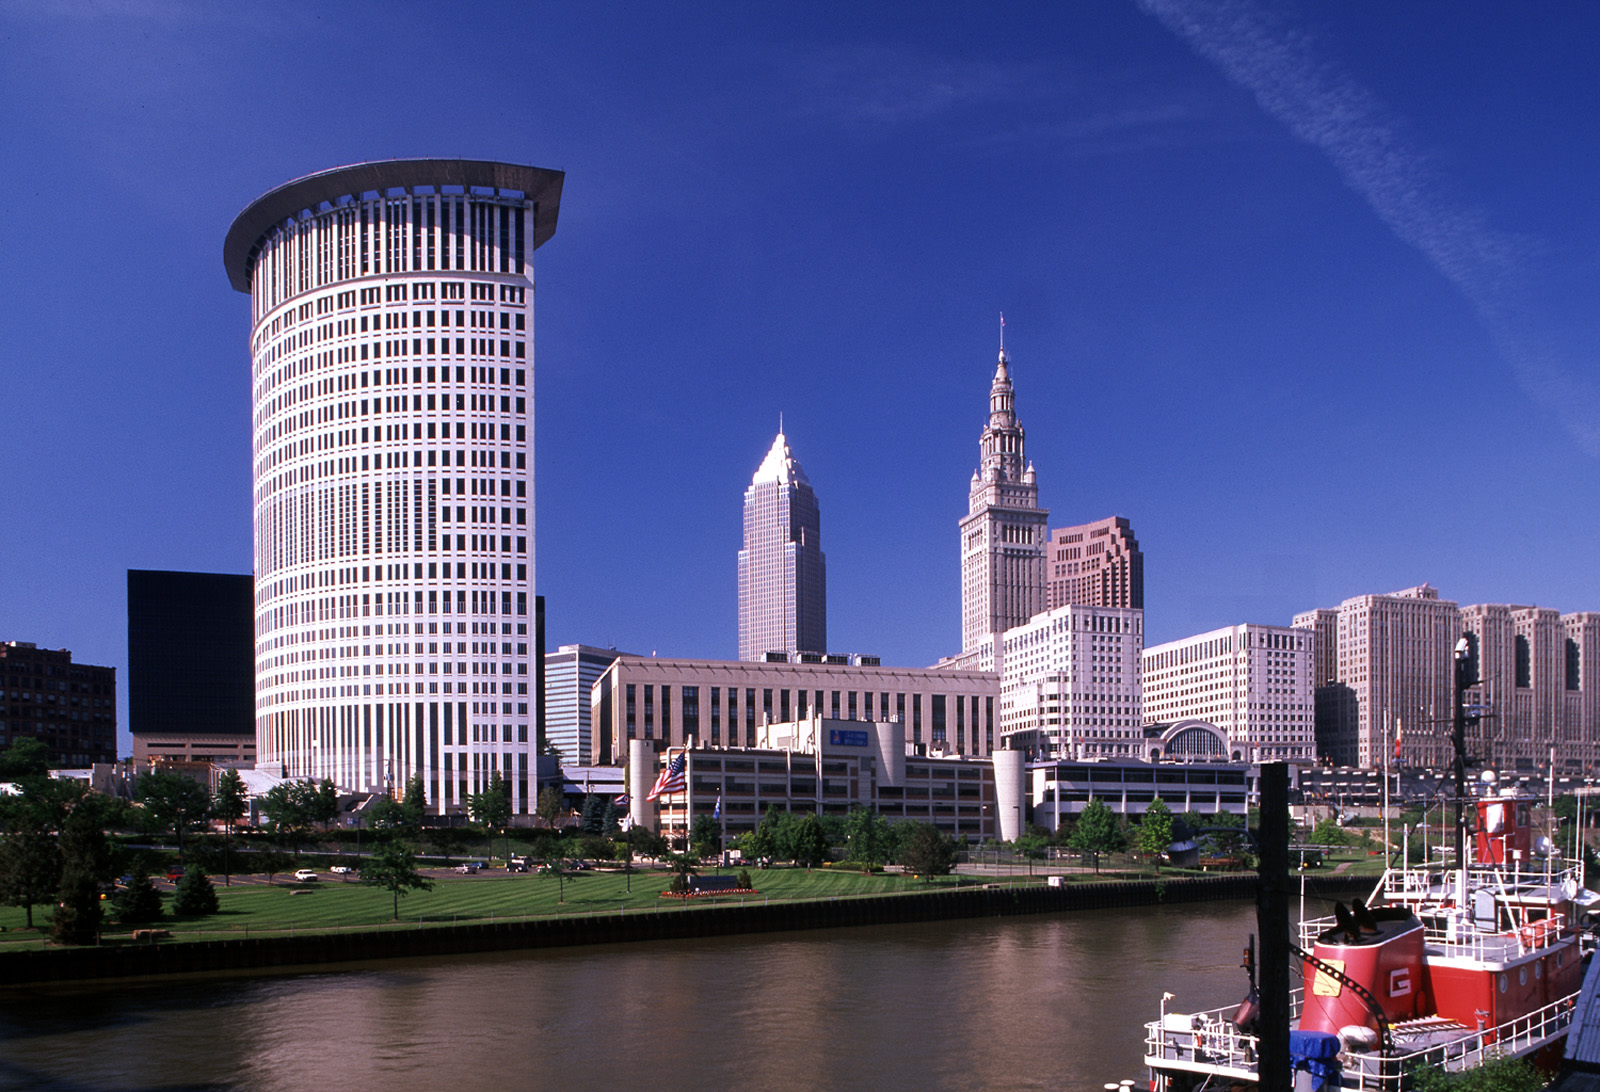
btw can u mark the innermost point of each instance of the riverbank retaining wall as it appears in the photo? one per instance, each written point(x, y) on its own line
point(721, 919)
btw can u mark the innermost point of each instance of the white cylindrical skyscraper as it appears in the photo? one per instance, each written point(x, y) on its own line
point(391, 356)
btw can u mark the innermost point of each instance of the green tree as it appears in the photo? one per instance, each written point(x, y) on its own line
point(1155, 830)
point(866, 836)
point(555, 862)
point(784, 832)
point(393, 867)
point(85, 862)
point(139, 902)
point(1031, 845)
point(77, 916)
point(286, 809)
point(195, 897)
point(272, 861)
point(648, 842)
point(762, 842)
point(597, 847)
point(1096, 831)
point(593, 814)
point(809, 842)
point(683, 868)
point(415, 801)
point(551, 805)
point(926, 850)
point(386, 816)
point(172, 802)
point(491, 808)
point(1328, 832)
point(27, 757)
point(30, 870)
point(705, 837)
point(229, 806)
point(322, 802)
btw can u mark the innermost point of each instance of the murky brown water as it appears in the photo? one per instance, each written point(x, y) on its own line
point(1015, 1003)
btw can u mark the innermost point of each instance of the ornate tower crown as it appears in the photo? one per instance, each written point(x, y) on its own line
point(1003, 440)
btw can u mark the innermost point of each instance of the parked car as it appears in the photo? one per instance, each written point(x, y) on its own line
point(341, 870)
point(467, 868)
point(305, 875)
point(517, 864)
point(174, 873)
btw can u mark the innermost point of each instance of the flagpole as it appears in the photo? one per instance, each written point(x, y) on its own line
point(1388, 849)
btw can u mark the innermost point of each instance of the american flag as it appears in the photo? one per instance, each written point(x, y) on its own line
point(671, 779)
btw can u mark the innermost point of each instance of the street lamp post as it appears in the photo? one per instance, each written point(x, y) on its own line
point(1463, 680)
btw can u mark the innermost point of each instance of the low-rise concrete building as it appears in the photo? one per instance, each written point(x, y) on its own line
point(818, 765)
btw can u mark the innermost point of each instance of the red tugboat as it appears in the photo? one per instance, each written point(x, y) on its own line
point(1445, 969)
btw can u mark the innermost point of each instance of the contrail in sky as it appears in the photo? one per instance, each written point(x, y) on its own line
point(1365, 141)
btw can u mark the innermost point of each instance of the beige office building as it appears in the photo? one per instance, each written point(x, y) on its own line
point(721, 704)
point(1095, 565)
point(1394, 676)
point(1532, 667)
point(1384, 676)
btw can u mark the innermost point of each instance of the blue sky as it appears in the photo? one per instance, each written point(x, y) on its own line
point(1306, 291)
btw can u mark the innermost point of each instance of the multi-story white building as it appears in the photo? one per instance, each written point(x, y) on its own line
point(1003, 533)
point(1070, 683)
point(569, 676)
point(1253, 682)
point(391, 351)
point(783, 586)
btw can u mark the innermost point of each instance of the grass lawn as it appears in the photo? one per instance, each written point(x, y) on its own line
point(257, 909)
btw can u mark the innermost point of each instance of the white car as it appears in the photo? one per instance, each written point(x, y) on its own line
point(305, 875)
point(341, 870)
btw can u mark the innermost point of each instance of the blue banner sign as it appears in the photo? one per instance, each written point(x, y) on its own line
point(847, 737)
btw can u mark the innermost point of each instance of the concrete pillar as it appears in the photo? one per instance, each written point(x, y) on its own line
point(889, 747)
point(641, 778)
point(1010, 793)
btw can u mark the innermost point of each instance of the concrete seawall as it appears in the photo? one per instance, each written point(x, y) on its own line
point(320, 949)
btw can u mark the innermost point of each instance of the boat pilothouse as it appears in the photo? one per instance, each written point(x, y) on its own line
point(1446, 968)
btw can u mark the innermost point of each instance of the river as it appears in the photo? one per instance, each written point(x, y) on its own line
point(1047, 1002)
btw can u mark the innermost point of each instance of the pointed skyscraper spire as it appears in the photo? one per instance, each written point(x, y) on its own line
point(782, 571)
point(1003, 534)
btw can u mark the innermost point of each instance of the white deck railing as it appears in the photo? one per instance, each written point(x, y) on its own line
point(1211, 1044)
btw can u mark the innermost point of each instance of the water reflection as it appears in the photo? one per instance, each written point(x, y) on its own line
point(1017, 1003)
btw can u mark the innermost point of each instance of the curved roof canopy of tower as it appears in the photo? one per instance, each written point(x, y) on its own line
point(309, 193)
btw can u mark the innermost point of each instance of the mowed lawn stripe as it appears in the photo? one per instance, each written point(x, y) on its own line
point(334, 903)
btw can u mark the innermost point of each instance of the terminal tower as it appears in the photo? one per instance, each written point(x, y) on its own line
point(1003, 534)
